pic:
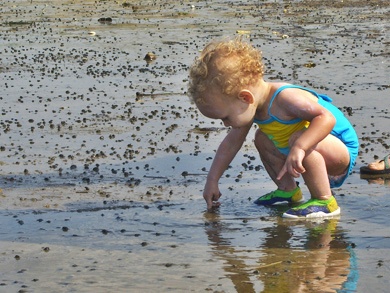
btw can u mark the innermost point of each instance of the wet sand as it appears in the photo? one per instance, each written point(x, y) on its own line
point(103, 158)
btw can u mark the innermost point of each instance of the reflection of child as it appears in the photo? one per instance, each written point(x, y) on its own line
point(300, 131)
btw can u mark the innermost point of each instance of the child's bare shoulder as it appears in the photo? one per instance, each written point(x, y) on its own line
point(295, 94)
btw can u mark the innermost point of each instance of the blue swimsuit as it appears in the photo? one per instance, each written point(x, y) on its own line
point(343, 130)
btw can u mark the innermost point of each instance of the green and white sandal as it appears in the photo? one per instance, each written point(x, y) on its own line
point(280, 196)
point(314, 208)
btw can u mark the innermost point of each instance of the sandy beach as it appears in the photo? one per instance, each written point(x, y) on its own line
point(103, 157)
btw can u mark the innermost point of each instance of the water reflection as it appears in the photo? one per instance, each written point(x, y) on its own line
point(288, 256)
point(377, 180)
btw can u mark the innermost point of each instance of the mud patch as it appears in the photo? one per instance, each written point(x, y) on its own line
point(103, 158)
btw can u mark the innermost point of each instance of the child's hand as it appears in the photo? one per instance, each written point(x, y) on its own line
point(293, 164)
point(211, 194)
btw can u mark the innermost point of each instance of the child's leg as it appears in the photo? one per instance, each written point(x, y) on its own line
point(316, 176)
point(330, 156)
point(273, 161)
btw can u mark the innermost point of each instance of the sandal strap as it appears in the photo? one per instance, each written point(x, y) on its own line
point(386, 161)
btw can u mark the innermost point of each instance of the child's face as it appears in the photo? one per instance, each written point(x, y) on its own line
point(231, 110)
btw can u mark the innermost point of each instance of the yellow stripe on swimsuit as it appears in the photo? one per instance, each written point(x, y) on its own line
point(280, 132)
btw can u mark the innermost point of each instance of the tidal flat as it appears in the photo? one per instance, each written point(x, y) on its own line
point(103, 158)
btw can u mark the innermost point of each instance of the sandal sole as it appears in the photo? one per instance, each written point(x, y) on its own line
point(314, 215)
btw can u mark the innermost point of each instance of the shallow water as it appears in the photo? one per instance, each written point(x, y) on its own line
point(103, 158)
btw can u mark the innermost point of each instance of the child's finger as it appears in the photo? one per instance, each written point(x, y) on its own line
point(299, 169)
point(213, 205)
point(282, 172)
point(209, 204)
point(216, 196)
point(216, 204)
point(212, 201)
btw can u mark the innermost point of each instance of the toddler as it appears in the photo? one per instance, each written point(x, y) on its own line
point(299, 131)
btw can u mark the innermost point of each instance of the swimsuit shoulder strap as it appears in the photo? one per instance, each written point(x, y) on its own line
point(283, 87)
point(272, 117)
point(324, 97)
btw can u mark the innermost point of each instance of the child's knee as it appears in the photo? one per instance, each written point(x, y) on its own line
point(260, 139)
point(263, 144)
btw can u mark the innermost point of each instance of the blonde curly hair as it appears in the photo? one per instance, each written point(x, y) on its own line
point(227, 65)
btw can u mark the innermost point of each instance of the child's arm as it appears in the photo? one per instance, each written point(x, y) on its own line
point(321, 124)
point(310, 137)
point(226, 152)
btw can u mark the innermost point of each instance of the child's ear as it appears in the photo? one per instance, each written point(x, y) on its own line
point(246, 96)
